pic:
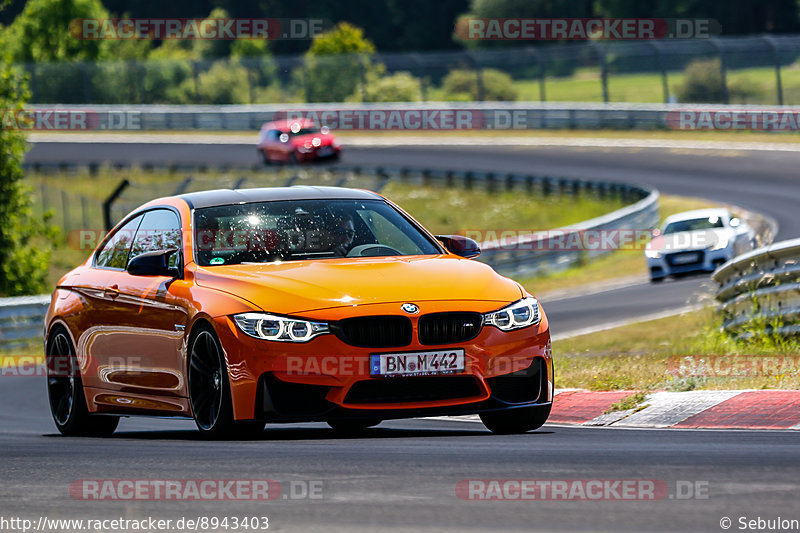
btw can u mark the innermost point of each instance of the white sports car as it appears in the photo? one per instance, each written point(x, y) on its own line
point(699, 240)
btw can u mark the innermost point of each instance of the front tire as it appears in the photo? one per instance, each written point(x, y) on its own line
point(209, 388)
point(65, 392)
point(513, 421)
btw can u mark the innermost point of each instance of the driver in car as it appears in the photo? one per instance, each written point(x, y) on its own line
point(342, 234)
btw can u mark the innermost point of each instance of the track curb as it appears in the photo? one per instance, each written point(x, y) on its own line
point(706, 409)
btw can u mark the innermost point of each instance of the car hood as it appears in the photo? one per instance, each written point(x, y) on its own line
point(325, 139)
point(299, 286)
point(689, 240)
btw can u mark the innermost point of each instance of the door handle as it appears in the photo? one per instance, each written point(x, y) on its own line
point(111, 292)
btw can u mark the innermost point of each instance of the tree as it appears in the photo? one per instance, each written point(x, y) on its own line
point(41, 33)
point(337, 62)
point(25, 242)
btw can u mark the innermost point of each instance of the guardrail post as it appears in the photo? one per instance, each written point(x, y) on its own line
point(490, 182)
point(547, 186)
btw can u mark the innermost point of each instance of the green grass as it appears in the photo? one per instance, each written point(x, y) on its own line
point(679, 353)
point(585, 86)
point(634, 401)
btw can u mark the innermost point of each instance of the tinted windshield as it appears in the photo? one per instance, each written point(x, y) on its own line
point(304, 131)
point(694, 224)
point(304, 229)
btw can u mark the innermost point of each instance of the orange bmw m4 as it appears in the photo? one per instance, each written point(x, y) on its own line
point(237, 308)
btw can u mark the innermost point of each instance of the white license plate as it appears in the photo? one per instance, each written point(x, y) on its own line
point(684, 259)
point(418, 363)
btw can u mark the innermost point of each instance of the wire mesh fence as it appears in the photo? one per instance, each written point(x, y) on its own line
point(760, 70)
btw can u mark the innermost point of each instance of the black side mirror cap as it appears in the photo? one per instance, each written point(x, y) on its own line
point(154, 263)
point(460, 245)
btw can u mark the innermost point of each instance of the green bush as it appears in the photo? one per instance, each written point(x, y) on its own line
point(399, 87)
point(703, 84)
point(462, 85)
point(224, 83)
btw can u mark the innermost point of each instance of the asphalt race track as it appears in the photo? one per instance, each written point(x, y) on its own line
point(765, 182)
point(402, 475)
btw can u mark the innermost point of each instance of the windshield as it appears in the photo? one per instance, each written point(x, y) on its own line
point(304, 229)
point(694, 224)
point(303, 131)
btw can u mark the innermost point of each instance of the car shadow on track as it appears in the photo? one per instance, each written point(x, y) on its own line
point(301, 434)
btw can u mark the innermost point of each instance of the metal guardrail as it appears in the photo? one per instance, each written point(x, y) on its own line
point(483, 115)
point(760, 290)
point(21, 318)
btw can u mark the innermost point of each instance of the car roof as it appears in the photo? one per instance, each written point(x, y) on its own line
point(285, 125)
point(698, 213)
point(198, 200)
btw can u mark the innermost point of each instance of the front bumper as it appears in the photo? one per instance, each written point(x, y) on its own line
point(669, 263)
point(326, 378)
point(317, 154)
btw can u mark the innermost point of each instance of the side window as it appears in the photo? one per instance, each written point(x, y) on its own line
point(160, 230)
point(114, 254)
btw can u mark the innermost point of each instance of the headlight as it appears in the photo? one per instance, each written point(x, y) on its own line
point(653, 254)
point(278, 328)
point(518, 315)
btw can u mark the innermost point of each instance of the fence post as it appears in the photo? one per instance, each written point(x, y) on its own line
point(65, 211)
point(108, 202)
point(196, 84)
point(423, 85)
point(773, 44)
point(723, 71)
point(363, 71)
point(250, 88)
point(601, 58)
point(306, 82)
point(87, 89)
point(84, 213)
point(663, 68)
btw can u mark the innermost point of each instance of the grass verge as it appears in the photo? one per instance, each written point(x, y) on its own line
point(680, 353)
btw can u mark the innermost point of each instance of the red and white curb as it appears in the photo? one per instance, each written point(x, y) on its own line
point(702, 409)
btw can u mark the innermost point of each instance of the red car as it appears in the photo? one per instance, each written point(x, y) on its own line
point(296, 141)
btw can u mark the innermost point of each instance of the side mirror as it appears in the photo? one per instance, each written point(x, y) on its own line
point(154, 263)
point(655, 233)
point(735, 222)
point(459, 245)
